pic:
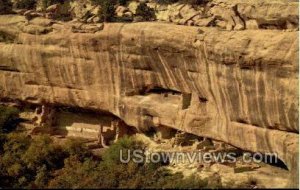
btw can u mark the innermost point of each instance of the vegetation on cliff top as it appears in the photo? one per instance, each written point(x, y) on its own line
point(107, 8)
point(193, 2)
point(5, 6)
point(32, 4)
point(25, 4)
point(145, 12)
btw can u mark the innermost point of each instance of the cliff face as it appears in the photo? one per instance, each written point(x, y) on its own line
point(240, 87)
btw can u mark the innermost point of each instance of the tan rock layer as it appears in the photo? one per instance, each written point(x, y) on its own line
point(238, 87)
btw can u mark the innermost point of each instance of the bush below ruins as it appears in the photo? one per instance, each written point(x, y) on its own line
point(38, 162)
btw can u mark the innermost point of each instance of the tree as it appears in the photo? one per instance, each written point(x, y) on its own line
point(25, 4)
point(144, 11)
point(42, 151)
point(8, 118)
point(13, 168)
point(107, 9)
point(5, 6)
point(47, 3)
point(76, 147)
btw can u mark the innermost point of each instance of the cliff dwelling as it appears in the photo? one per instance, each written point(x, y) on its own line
point(157, 94)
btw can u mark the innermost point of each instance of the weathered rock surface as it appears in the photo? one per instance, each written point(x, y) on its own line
point(234, 15)
point(232, 175)
point(240, 87)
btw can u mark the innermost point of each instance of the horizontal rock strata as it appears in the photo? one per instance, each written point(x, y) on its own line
point(240, 87)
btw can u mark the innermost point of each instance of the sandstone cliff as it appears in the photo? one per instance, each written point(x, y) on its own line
point(240, 87)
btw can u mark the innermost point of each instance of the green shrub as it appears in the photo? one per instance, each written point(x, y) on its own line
point(2, 141)
point(47, 3)
point(122, 2)
point(196, 2)
point(75, 174)
point(112, 155)
point(76, 147)
point(144, 11)
point(24, 160)
point(11, 160)
point(193, 2)
point(107, 9)
point(111, 173)
point(25, 4)
point(5, 6)
point(166, 1)
point(8, 118)
point(39, 163)
point(42, 151)
point(42, 177)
